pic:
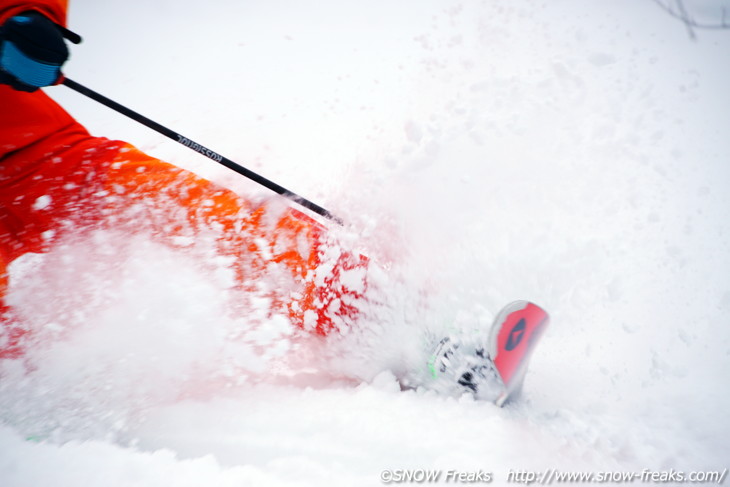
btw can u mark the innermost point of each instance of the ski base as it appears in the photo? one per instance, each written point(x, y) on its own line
point(514, 334)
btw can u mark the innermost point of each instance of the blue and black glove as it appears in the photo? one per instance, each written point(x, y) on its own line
point(32, 51)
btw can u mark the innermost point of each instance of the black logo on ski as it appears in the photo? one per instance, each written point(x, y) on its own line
point(516, 335)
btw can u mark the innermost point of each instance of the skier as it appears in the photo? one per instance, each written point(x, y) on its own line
point(58, 180)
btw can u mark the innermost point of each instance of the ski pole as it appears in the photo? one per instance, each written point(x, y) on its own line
point(200, 149)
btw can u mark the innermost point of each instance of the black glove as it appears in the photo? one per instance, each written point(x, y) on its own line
point(32, 51)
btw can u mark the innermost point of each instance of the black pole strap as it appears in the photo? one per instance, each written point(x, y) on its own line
point(201, 149)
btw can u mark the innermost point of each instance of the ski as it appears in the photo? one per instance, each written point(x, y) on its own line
point(491, 366)
point(514, 334)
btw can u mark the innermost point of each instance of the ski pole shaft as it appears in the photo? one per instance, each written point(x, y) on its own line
point(200, 149)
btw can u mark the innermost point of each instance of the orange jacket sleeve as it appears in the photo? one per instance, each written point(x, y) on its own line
point(31, 123)
point(53, 9)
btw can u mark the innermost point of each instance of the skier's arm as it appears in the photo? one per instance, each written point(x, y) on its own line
point(32, 47)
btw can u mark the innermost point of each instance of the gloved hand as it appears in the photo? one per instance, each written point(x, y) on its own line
point(32, 51)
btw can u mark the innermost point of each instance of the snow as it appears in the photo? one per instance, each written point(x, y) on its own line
point(42, 203)
point(572, 153)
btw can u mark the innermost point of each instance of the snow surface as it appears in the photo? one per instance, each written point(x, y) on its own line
point(574, 153)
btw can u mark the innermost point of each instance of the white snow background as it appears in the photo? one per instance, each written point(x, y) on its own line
point(574, 153)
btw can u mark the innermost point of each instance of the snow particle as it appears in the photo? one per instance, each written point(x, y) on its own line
point(42, 203)
point(601, 59)
point(310, 320)
point(413, 132)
